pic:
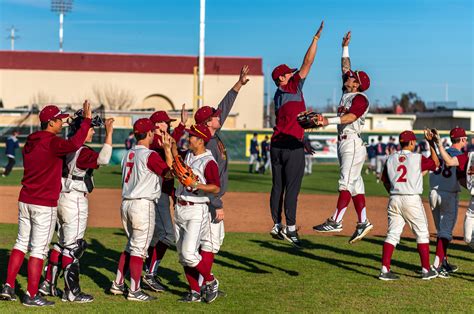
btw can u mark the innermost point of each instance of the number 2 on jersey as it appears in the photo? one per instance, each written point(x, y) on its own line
point(402, 178)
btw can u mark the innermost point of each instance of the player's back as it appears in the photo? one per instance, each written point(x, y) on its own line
point(445, 178)
point(138, 181)
point(404, 173)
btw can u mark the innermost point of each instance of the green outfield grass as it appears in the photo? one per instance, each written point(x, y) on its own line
point(322, 181)
point(260, 274)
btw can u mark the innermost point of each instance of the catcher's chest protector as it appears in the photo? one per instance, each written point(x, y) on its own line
point(198, 165)
point(344, 107)
point(75, 178)
point(139, 182)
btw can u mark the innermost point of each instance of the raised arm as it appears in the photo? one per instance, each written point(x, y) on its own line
point(311, 53)
point(106, 151)
point(345, 60)
point(448, 160)
point(228, 101)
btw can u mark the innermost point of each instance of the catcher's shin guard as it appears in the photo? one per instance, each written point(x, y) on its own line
point(71, 281)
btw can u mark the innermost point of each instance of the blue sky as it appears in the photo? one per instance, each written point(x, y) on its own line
point(404, 45)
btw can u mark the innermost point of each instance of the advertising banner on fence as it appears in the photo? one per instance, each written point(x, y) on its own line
point(325, 146)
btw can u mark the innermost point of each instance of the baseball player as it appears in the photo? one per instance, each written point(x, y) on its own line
point(214, 119)
point(192, 214)
point(73, 209)
point(351, 150)
point(287, 149)
point(403, 179)
point(38, 201)
point(142, 173)
point(465, 163)
point(444, 202)
point(163, 235)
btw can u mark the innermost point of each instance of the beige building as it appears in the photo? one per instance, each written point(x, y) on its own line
point(129, 82)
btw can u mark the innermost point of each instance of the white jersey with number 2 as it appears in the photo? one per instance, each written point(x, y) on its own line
point(404, 173)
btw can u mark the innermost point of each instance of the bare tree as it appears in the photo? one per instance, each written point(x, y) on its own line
point(113, 97)
point(41, 98)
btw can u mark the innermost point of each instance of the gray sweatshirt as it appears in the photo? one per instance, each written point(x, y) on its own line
point(217, 147)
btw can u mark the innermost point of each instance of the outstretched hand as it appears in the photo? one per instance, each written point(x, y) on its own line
point(86, 107)
point(320, 30)
point(109, 125)
point(184, 114)
point(243, 79)
point(346, 39)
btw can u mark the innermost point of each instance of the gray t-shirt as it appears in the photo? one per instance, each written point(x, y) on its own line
point(217, 147)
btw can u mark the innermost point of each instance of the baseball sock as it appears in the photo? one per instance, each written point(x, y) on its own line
point(191, 275)
point(122, 268)
point(158, 254)
point(150, 259)
point(53, 260)
point(208, 258)
point(14, 264)
point(204, 270)
point(342, 202)
point(66, 260)
point(387, 252)
point(359, 204)
point(441, 250)
point(136, 264)
point(424, 251)
point(35, 265)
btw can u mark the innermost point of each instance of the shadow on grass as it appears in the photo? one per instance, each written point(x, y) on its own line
point(346, 265)
point(249, 264)
point(4, 258)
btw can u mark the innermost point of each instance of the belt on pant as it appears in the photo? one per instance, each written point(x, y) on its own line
point(346, 136)
point(187, 203)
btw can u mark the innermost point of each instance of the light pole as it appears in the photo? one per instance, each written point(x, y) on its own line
point(62, 7)
point(12, 37)
point(202, 26)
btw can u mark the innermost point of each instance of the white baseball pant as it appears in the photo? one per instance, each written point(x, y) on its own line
point(35, 229)
point(351, 153)
point(212, 242)
point(406, 209)
point(444, 207)
point(469, 224)
point(191, 225)
point(380, 160)
point(164, 229)
point(73, 210)
point(138, 220)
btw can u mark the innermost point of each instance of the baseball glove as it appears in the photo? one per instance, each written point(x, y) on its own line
point(184, 173)
point(309, 119)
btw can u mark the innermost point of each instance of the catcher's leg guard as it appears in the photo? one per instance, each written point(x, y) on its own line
point(72, 288)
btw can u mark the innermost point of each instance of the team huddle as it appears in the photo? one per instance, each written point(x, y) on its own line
point(58, 177)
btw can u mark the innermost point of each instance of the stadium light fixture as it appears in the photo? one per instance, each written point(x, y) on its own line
point(62, 7)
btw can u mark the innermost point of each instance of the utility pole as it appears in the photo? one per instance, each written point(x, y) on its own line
point(62, 7)
point(12, 37)
point(202, 31)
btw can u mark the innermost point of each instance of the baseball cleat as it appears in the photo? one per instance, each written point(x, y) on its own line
point(291, 236)
point(117, 289)
point(362, 229)
point(211, 292)
point(442, 273)
point(388, 276)
point(8, 293)
point(80, 298)
point(48, 289)
point(36, 301)
point(276, 232)
point(191, 297)
point(151, 283)
point(329, 225)
point(450, 268)
point(139, 295)
point(432, 273)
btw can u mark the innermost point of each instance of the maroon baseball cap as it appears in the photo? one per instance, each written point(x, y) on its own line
point(143, 125)
point(161, 116)
point(281, 70)
point(204, 113)
point(51, 112)
point(457, 133)
point(406, 136)
point(361, 77)
point(201, 131)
